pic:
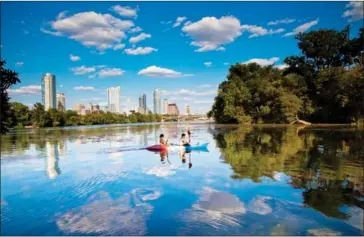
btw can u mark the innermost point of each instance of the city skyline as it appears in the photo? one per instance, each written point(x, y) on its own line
point(138, 55)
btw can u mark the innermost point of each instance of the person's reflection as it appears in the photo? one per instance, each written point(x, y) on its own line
point(183, 157)
point(164, 155)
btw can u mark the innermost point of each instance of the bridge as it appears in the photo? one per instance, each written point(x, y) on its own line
point(178, 118)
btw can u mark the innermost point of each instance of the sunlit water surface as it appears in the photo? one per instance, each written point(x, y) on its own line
point(251, 181)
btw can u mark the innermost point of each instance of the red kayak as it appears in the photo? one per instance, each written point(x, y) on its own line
point(157, 148)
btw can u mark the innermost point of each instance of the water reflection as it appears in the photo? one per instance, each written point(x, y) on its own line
point(103, 215)
point(327, 165)
point(283, 180)
point(216, 209)
point(52, 158)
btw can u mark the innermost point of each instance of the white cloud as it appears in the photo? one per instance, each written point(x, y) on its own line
point(140, 51)
point(61, 86)
point(205, 86)
point(125, 11)
point(111, 72)
point(74, 58)
point(154, 71)
point(91, 29)
point(82, 70)
point(135, 29)
point(355, 11)
point(282, 66)
point(166, 22)
point(61, 15)
point(260, 31)
point(302, 28)
point(210, 33)
point(282, 21)
point(179, 20)
point(84, 88)
point(19, 64)
point(203, 102)
point(226, 63)
point(26, 90)
point(139, 38)
point(54, 33)
point(207, 64)
point(262, 61)
point(187, 23)
point(119, 46)
point(185, 92)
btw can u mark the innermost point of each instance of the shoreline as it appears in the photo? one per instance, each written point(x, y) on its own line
point(318, 125)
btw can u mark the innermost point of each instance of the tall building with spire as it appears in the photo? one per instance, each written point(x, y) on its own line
point(49, 91)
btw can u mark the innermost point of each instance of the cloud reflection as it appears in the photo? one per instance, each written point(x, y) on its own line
point(103, 215)
point(215, 209)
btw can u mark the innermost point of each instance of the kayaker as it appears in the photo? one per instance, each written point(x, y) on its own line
point(162, 141)
point(184, 141)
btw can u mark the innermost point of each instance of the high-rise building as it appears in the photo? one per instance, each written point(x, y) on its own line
point(61, 102)
point(49, 91)
point(79, 108)
point(188, 110)
point(143, 104)
point(173, 109)
point(165, 106)
point(157, 101)
point(113, 99)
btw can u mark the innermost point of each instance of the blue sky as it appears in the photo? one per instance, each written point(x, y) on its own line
point(182, 48)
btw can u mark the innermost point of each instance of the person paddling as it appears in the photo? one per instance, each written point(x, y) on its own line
point(162, 141)
point(184, 141)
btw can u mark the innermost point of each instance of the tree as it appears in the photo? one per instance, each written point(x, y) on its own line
point(40, 117)
point(324, 84)
point(7, 79)
point(20, 115)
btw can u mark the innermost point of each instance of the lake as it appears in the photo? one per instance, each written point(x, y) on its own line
point(261, 180)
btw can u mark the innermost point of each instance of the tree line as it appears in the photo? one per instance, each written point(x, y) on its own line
point(20, 116)
point(325, 84)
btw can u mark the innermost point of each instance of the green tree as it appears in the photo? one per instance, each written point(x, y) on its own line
point(20, 115)
point(7, 79)
point(40, 117)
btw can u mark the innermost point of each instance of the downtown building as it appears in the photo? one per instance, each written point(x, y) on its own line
point(61, 102)
point(49, 91)
point(113, 99)
point(143, 104)
point(173, 109)
point(165, 106)
point(188, 110)
point(157, 101)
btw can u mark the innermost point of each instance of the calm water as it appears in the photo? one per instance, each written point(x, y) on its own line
point(252, 181)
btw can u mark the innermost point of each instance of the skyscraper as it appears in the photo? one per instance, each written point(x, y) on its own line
point(165, 106)
point(49, 91)
point(79, 108)
point(157, 101)
point(173, 109)
point(188, 110)
point(61, 102)
point(113, 99)
point(143, 104)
